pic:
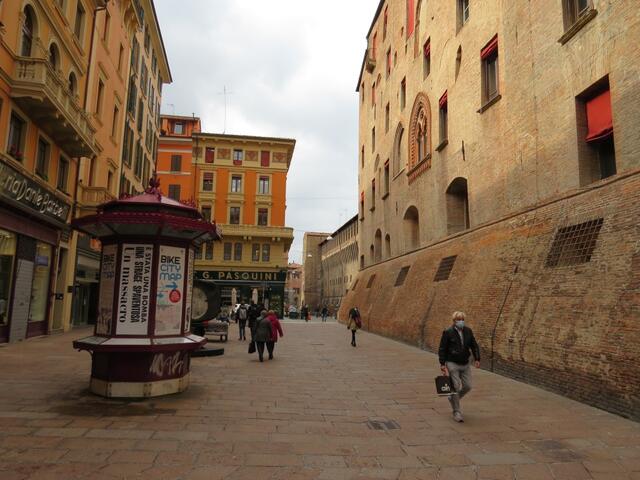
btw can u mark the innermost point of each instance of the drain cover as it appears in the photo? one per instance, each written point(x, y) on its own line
point(383, 425)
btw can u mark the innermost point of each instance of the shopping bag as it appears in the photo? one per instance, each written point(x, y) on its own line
point(252, 347)
point(444, 385)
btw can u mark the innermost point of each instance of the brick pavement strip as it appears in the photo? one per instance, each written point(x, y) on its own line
point(302, 416)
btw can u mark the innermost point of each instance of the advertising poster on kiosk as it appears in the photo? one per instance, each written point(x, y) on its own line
point(170, 295)
point(107, 281)
point(187, 311)
point(135, 289)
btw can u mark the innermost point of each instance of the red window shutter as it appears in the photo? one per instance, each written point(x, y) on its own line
point(411, 17)
point(209, 155)
point(427, 48)
point(490, 49)
point(443, 100)
point(265, 158)
point(599, 119)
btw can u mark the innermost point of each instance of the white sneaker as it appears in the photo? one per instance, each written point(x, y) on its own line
point(457, 416)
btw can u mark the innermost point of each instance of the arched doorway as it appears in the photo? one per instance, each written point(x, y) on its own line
point(457, 200)
point(28, 32)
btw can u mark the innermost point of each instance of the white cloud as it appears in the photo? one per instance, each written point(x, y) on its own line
point(292, 67)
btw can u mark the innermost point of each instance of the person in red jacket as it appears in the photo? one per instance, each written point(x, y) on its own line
point(276, 329)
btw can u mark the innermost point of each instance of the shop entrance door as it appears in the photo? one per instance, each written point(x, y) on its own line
point(21, 300)
point(83, 307)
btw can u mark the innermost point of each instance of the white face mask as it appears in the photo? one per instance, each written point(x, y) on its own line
point(460, 324)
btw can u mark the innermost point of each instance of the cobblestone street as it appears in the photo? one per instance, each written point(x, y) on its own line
point(308, 414)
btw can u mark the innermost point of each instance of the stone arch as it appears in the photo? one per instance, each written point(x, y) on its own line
point(28, 30)
point(398, 160)
point(457, 202)
point(378, 245)
point(420, 143)
point(54, 56)
point(72, 83)
point(387, 246)
point(411, 221)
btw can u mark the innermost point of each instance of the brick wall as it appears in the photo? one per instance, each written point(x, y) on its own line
point(570, 329)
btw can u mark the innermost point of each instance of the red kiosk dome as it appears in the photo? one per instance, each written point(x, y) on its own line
point(142, 340)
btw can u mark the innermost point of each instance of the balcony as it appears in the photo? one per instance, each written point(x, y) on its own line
point(249, 232)
point(90, 197)
point(44, 96)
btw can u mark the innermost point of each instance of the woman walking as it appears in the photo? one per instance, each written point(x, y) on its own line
point(263, 333)
point(354, 324)
point(276, 329)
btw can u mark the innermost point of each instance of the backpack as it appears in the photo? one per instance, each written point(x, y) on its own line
point(242, 313)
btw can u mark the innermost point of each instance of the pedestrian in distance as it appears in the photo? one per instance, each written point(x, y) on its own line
point(242, 321)
point(325, 312)
point(456, 346)
point(354, 324)
point(304, 313)
point(263, 333)
point(252, 318)
point(276, 329)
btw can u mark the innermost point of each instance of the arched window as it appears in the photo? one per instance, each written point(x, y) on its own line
point(420, 136)
point(387, 246)
point(372, 254)
point(398, 150)
point(457, 206)
point(54, 56)
point(378, 246)
point(73, 83)
point(411, 229)
point(28, 31)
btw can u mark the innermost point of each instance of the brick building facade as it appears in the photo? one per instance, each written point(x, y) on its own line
point(507, 137)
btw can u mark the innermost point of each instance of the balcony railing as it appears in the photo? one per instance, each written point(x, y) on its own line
point(44, 94)
point(91, 197)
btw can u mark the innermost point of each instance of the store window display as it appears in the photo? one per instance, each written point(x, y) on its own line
point(40, 286)
point(7, 256)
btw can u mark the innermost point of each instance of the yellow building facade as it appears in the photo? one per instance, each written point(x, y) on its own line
point(240, 182)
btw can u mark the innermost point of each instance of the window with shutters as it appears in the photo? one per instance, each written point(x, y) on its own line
point(207, 182)
point(263, 217)
point(209, 155)
point(265, 158)
point(228, 250)
point(234, 215)
point(237, 252)
point(263, 185)
point(255, 252)
point(176, 163)
point(266, 252)
point(174, 192)
point(206, 212)
point(236, 184)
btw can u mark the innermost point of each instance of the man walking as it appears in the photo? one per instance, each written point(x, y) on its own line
point(456, 345)
point(325, 312)
point(242, 320)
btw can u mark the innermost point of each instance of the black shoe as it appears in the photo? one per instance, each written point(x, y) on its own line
point(261, 359)
point(270, 357)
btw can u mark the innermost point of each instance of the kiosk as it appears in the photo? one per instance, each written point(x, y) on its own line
point(142, 343)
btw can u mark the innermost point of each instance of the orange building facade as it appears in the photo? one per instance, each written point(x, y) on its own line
point(239, 181)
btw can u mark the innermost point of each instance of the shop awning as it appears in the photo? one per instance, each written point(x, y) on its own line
point(599, 121)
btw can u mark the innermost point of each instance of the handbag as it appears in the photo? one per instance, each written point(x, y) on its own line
point(252, 347)
point(444, 385)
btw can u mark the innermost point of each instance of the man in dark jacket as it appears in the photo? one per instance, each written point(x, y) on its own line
point(456, 346)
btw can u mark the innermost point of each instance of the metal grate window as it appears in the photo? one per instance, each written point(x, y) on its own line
point(444, 269)
point(574, 244)
point(402, 275)
point(371, 280)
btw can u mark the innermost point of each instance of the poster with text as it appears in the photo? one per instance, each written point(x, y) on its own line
point(187, 299)
point(134, 294)
point(170, 294)
point(107, 283)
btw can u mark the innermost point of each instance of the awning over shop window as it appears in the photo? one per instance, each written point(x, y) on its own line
point(599, 121)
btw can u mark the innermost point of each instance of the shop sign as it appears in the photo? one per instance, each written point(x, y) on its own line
point(107, 281)
point(19, 188)
point(170, 293)
point(135, 289)
point(235, 276)
point(188, 293)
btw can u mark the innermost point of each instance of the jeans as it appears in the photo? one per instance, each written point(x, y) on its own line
point(270, 347)
point(241, 326)
point(461, 378)
point(324, 317)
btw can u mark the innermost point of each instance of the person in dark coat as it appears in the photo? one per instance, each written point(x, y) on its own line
point(263, 333)
point(304, 313)
point(325, 313)
point(354, 324)
point(456, 346)
point(276, 329)
point(252, 318)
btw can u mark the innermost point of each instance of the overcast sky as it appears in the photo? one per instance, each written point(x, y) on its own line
point(291, 68)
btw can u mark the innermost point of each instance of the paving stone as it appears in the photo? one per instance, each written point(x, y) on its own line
point(301, 417)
